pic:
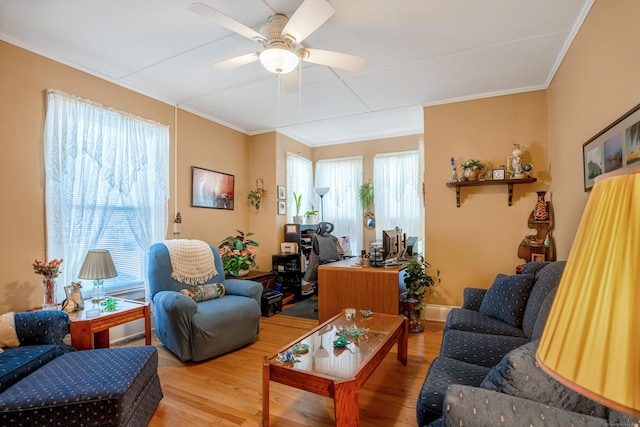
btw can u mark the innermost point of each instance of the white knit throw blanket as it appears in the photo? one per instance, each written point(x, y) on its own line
point(191, 260)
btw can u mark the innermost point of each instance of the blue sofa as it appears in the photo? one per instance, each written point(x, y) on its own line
point(486, 373)
point(41, 335)
point(44, 382)
point(201, 330)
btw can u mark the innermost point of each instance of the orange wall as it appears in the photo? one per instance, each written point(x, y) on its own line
point(595, 85)
point(24, 78)
point(474, 242)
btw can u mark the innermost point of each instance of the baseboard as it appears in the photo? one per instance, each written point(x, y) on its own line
point(435, 312)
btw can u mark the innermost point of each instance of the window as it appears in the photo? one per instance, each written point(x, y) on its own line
point(300, 181)
point(341, 204)
point(398, 197)
point(107, 181)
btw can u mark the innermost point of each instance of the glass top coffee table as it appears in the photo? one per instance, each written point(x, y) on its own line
point(315, 363)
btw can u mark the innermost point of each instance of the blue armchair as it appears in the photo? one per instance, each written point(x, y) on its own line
point(201, 330)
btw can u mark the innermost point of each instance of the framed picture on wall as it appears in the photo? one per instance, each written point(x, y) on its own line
point(617, 146)
point(282, 192)
point(211, 189)
point(282, 207)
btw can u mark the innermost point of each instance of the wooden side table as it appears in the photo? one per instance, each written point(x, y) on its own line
point(93, 332)
point(266, 278)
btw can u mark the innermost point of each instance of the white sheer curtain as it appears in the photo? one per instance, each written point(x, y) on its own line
point(398, 196)
point(300, 181)
point(341, 204)
point(107, 186)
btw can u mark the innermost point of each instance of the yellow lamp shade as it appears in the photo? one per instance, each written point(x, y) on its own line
point(591, 341)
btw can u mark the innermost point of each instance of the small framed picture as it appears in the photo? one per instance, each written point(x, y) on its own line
point(498, 174)
point(537, 257)
point(282, 192)
point(282, 207)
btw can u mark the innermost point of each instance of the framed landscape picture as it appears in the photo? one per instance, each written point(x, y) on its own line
point(615, 147)
point(211, 189)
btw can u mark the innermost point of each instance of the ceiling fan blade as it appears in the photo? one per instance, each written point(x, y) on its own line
point(307, 18)
point(228, 64)
point(225, 21)
point(330, 58)
point(291, 80)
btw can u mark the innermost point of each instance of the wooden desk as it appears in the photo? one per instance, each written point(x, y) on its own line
point(342, 285)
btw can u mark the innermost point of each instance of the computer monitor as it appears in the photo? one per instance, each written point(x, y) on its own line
point(392, 243)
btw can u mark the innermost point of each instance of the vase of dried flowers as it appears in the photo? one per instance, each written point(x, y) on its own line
point(49, 272)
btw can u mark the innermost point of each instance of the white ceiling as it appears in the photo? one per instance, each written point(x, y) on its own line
point(418, 52)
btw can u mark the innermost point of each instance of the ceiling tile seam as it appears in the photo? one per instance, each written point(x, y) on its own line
point(169, 58)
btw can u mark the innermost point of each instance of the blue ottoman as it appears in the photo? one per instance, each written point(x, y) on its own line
point(105, 387)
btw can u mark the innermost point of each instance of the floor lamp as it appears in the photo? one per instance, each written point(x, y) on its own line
point(321, 191)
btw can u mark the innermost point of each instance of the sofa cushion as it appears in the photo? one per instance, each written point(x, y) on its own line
point(204, 292)
point(474, 321)
point(507, 298)
point(472, 406)
point(479, 349)
point(104, 387)
point(546, 279)
point(518, 374)
point(543, 313)
point(18, 362)
point(8, 336)
point(442, 373)
point(472, 298)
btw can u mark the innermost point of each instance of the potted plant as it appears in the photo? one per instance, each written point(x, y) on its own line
point(365, 194)
point(417, 282)
point(472, 168)
point(238, 254)
point(256, 196)
point(298, 201)
point(311, 216)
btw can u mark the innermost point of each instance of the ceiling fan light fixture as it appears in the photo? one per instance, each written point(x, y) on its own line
point(279, 60)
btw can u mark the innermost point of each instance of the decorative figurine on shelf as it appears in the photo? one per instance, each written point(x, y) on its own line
point(515, 160)
point(454, 172)
point(488, 172)
point(540, 212)
point(528, 168)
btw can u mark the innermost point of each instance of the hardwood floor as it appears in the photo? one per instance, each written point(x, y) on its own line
point(227, 390)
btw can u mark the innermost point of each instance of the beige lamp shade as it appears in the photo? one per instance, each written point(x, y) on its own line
point(591, 341)
point(97, 265)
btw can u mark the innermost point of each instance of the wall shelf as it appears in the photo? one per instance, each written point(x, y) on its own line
point(508, 182)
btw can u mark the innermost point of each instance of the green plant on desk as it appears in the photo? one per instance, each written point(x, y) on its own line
point(109, 304)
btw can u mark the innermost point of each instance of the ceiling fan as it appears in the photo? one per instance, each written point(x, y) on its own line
point(280, 38)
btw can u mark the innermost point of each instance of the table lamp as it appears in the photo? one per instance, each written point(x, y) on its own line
point(591, 341)
point(321, 191)
point(97, 266)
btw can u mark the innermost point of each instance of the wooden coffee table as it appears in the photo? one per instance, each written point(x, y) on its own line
point(93, 332)
point(333, 372)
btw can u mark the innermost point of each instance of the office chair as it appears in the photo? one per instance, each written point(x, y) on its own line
point(325, 249)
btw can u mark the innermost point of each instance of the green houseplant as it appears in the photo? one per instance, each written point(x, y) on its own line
point(365, 194)
point(238, 254)
point(418, 282)
point(312, 216)
point(472, 168)
point(298, 201)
